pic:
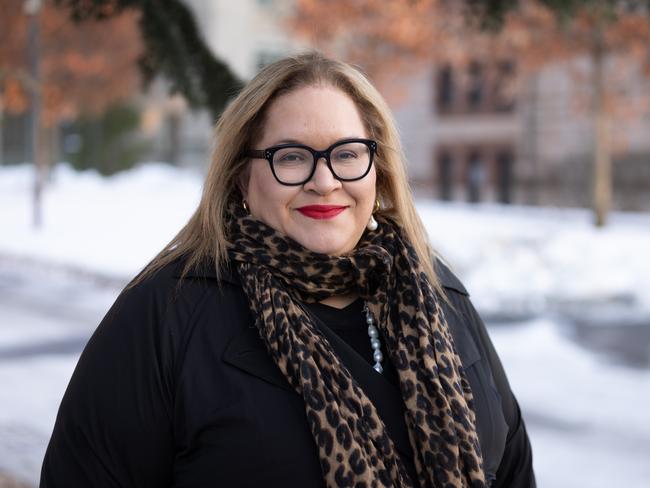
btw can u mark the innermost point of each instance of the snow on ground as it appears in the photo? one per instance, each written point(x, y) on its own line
point(109, 225)
point(536, 270)
point(508, 256)
point(586, 417)
point(30, 395)
point(533, 257)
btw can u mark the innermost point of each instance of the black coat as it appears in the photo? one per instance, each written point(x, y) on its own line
point(175, 388)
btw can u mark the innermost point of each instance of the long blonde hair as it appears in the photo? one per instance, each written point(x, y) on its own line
point(204, 236)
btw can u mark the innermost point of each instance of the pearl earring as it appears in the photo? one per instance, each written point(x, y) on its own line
point(372, 223)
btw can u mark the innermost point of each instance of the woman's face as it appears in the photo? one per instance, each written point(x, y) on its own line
point(317, 116)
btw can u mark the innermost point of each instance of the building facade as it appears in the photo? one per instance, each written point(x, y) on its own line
point(481, 133)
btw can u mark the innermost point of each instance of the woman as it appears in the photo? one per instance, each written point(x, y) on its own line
point(298, 331)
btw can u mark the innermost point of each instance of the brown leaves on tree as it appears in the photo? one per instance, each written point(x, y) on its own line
point(84, 66)
point(393, 37)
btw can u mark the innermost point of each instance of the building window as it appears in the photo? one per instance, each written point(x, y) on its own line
point(445, 162)
point(503, 89)
point(445, 89)
point(475, 86)
point(476, 176)
point(475, 171)
point(504, 160)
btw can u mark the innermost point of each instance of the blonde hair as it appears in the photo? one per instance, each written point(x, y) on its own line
point(204, 237)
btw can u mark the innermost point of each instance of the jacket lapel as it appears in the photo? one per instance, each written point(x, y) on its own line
point(247, 352)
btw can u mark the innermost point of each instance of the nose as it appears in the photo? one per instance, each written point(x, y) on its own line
point(323, 180)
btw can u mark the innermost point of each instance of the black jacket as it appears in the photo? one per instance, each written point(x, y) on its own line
point(175, 388)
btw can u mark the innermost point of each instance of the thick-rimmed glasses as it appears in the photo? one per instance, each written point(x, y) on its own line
point(295, 164)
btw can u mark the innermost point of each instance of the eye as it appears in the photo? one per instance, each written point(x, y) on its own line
point(349, 152)
point(346, 155)
point(291, 157)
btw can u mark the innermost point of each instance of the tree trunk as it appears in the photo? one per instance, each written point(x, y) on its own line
point(35, 113)
point(532, 146)
point(2, 141)
point(53, 146)
point(46, 150)
point(602, 173)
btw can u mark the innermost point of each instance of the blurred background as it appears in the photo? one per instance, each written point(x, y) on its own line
point(526, 128)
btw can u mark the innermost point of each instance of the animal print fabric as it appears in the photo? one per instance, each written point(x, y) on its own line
point(355, 450)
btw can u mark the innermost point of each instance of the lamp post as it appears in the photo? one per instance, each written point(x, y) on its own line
point(32, 9)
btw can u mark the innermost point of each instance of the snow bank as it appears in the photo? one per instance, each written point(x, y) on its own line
point(513, 259)
point(110, 225)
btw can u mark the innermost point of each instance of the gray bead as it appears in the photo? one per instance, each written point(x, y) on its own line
point(378, 368)
point(377, 356)
point(373, 332)
point(375, 343)
point(369, 320)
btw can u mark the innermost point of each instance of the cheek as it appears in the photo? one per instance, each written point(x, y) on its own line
point(366, 193)
point(267, 199)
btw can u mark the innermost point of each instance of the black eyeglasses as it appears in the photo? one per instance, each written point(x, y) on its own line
point(295, 164)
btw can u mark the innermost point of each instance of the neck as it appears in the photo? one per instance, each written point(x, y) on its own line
point(340, 301)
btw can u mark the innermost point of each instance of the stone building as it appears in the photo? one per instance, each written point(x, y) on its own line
point(469, 137)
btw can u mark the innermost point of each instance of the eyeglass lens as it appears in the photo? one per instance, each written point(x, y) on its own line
point(294, 164)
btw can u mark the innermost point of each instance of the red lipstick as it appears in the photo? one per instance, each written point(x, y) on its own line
point(321, 212)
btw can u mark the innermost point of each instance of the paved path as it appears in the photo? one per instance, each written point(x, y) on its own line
point(47, 315)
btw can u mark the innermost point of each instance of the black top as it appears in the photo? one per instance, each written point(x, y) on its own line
point(349, 324)
point(176, 389)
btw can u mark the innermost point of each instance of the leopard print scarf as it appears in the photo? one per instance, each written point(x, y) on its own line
point(355, 450)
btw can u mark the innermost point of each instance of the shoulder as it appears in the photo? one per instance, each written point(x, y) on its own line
point(462, 319)
point(169, 285)
point(169, 302)
point(153, 324)
point(447, 278)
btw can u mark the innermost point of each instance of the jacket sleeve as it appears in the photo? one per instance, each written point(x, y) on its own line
point(516, 467)
point(114, 427)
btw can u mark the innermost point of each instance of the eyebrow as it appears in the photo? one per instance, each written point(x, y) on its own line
point(286, 141)
point(296, 141)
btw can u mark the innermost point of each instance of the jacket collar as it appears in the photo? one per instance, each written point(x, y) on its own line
point(207, 270)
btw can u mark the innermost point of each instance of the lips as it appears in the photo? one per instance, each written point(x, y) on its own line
point(321, 212)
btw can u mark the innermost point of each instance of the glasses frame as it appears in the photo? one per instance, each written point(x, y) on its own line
point(269, 152)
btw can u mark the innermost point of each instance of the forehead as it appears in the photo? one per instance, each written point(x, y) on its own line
point(312, 115)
